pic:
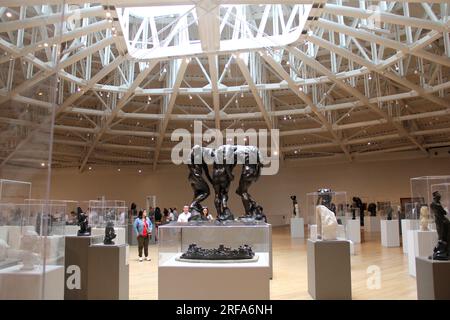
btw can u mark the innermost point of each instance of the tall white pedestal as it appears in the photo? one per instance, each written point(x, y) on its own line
point(390, 234)
point(16, 284)
point(297, 228)
point(408, 224)
point(214, 281)
point(353, 230)
point(372, 224)
point(420, 244)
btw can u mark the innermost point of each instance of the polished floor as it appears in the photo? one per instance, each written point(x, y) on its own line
point(290, 270)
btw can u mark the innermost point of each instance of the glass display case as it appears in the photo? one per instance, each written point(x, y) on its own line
point(334, 201)
point(176, 238)
point(31, 251)
point(421, 188)
point(388, 211)
point(412, 210)
point(13, 191)
point(102, 213)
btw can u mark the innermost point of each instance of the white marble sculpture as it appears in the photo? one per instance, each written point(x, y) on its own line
point(424, 218)
point(326, 223)
point(27, 246)
point(3, 250)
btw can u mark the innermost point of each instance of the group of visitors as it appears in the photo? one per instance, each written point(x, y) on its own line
point(185, 215)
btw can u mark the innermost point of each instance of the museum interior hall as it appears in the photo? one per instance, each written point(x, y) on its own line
point(224, 150)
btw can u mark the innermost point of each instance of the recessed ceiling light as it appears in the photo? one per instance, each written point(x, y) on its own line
point(9, 14)
point(42, 164)
point(90, 168)
point(140, 171)
point(40, 93)
point(118, 169)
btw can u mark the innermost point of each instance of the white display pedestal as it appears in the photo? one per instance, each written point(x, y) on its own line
point(353, 230)
point(408, 224)
point(214, 281)
point(420, 244)
point(120, 232)
point(16, 284)
point(372, 224)
point(297, 228)
point(390, 234)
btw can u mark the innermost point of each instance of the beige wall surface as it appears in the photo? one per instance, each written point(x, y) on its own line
point(372, 181)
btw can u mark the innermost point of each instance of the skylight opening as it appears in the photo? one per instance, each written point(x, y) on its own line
point(160, 11)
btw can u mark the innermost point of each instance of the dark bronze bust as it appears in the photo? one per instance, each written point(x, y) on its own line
point(83, 223)
point(110, 233)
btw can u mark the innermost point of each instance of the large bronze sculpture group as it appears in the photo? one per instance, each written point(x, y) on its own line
point(223, 160)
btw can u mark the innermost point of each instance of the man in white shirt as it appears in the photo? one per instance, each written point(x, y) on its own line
point(185, 215)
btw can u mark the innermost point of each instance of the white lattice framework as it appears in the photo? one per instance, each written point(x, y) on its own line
point(338, 78)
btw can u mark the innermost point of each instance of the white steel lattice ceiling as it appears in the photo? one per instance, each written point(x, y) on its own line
point(337, 78)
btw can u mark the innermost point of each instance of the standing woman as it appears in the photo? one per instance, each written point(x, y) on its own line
point(206, 214)
point(143, 228)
